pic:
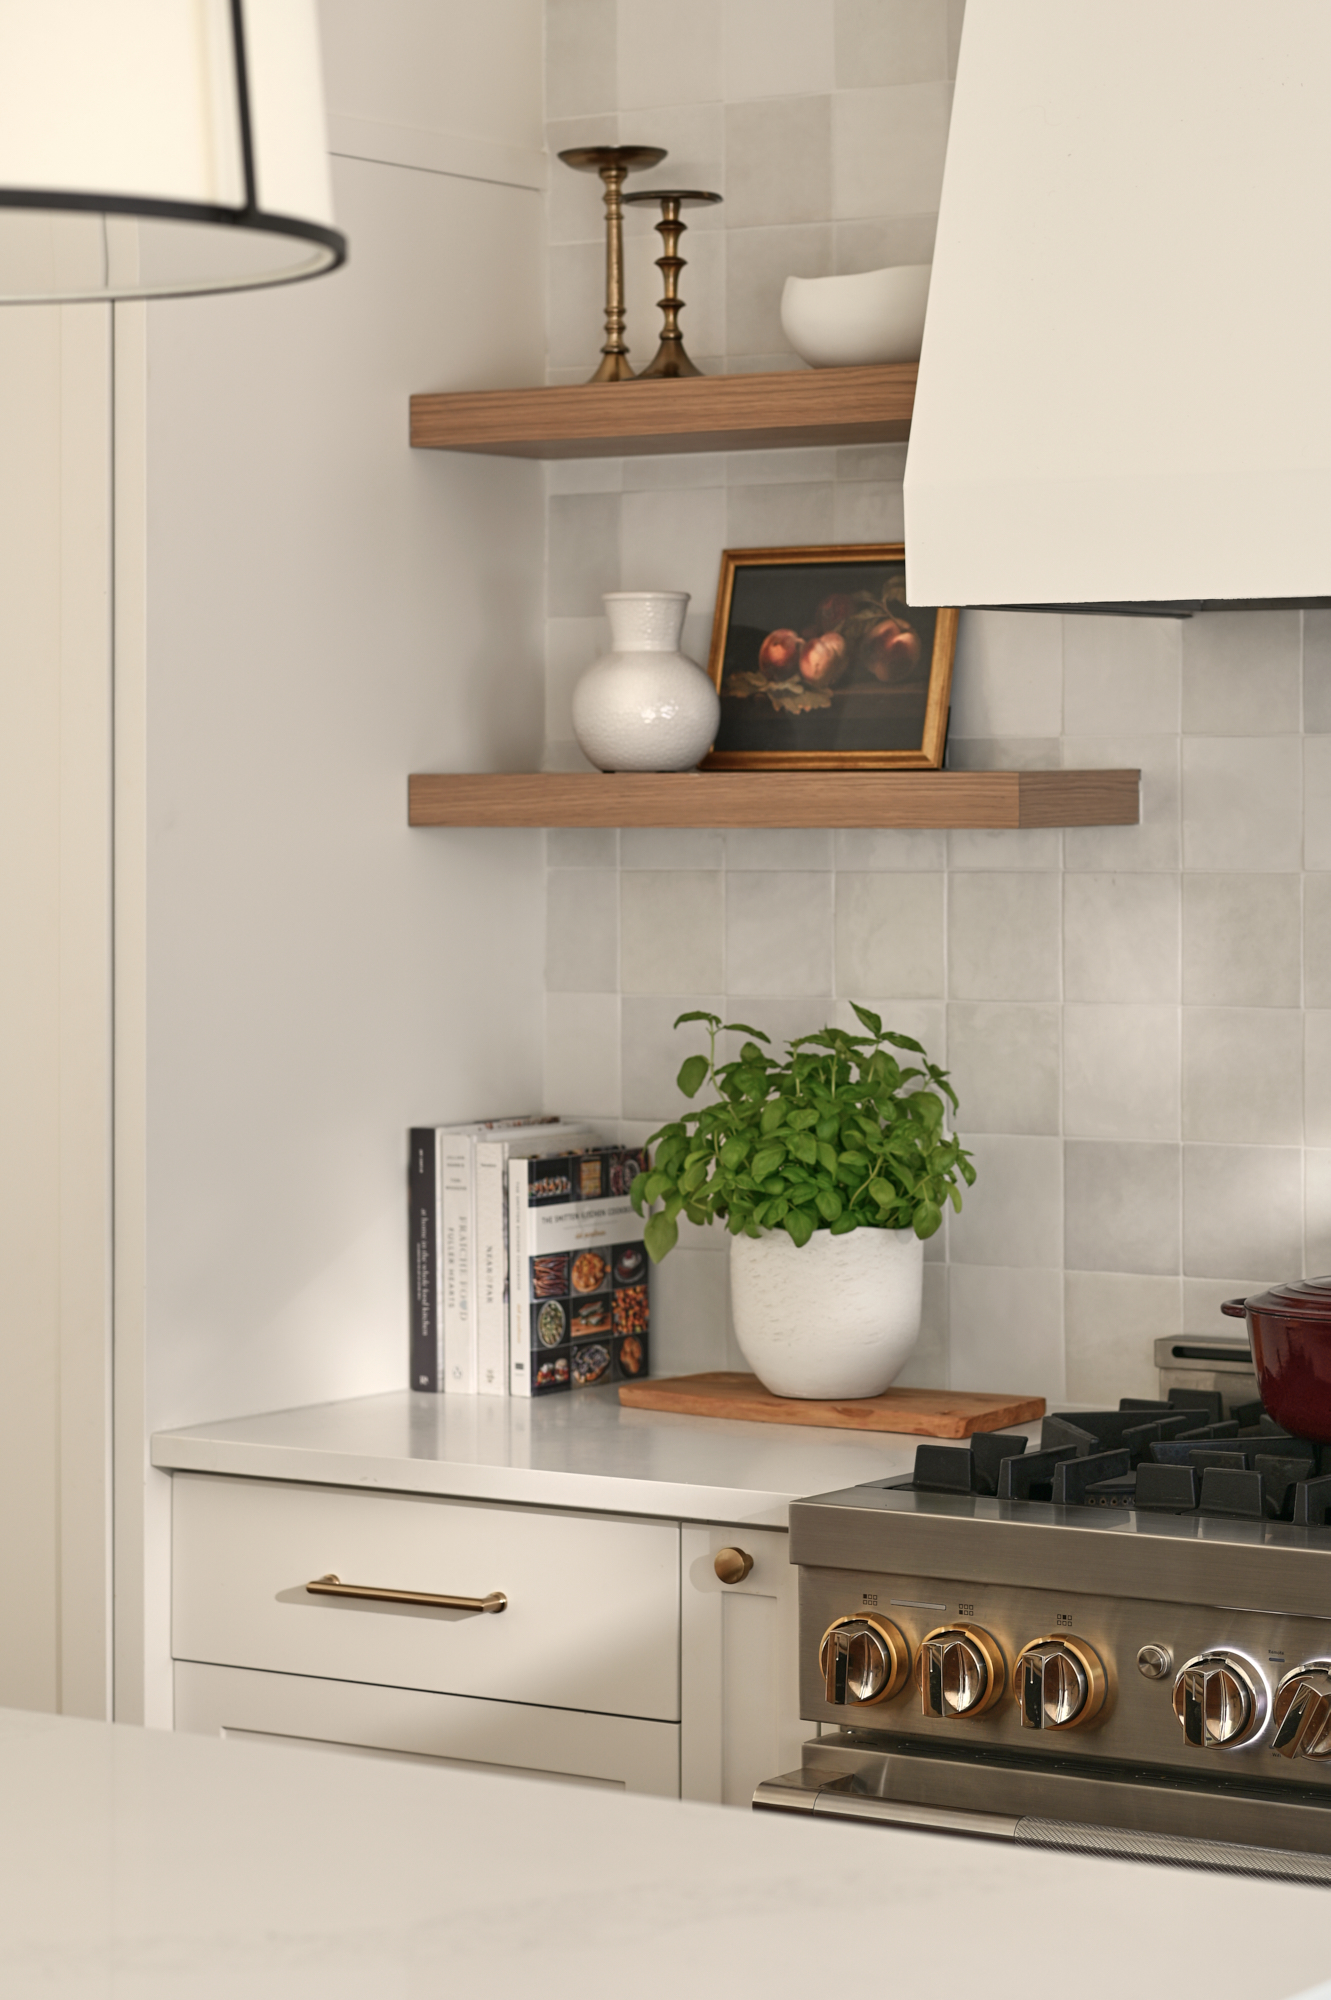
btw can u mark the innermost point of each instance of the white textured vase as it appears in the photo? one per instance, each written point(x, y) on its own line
point(837, 1318)
point(645, 706)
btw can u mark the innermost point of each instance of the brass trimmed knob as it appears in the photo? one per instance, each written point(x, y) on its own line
point(1058, 1683)
point(960, 1672)
point(862, 1661)
point(1216, 1701)
point(732, 1565)
point(1302, 1712)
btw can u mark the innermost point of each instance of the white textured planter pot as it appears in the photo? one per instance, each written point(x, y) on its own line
point(646, 706)
point(837, 1318)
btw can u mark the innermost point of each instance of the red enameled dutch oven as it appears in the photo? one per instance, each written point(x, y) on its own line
point(1289, 1332)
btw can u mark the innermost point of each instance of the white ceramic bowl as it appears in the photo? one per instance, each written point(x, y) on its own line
point(852, 322)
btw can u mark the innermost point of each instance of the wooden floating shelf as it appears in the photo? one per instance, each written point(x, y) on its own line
point(777, 798)
point(702, 413)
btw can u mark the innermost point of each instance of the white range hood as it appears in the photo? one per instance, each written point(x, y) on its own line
point(1125, 387)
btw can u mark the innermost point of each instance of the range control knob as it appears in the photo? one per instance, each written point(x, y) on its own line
point(1216, 1700)
point(1302, 1712)
point(1059, 1683)
point(959, 1671)
point(862, 1661)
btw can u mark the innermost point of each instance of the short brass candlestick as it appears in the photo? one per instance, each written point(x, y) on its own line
point(613, 163)
point(670, 358)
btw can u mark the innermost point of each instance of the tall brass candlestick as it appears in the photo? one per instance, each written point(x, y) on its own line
point(613, 163)
point(670, 358)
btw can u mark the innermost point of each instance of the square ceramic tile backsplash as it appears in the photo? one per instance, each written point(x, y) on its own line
point(1137, 1019)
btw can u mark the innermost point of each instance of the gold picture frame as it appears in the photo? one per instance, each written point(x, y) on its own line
point(814, 648)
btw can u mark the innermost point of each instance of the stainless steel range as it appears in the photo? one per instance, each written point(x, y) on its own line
point(1119, 1640)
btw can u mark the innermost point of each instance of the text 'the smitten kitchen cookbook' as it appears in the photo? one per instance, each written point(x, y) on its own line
point(579, 1296)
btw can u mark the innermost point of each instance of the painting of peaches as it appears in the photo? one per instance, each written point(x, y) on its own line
point(820, 661)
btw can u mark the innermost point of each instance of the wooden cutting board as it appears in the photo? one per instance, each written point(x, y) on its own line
point(940, 1413)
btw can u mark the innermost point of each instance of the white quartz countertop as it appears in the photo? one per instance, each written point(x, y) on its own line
point(169, 1867)
point(562, 1451)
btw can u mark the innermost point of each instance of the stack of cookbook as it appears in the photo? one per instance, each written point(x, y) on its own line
point(528, 1271)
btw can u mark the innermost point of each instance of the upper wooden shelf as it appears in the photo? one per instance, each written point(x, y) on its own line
point(701, 413)
point(777, 798)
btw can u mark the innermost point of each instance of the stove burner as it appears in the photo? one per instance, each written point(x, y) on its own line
point(1179, 1457)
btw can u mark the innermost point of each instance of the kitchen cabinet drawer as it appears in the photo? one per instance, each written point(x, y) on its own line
point(444, 1729)
point(592, 1620)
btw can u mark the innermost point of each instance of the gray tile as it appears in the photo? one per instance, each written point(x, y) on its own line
point(1008, 675)
point(1121, 1207)
point(889, 935)
point(927, 1367)
point(867, 848)
point(1316, 1213)
point(758, 262)
point(579, 57)
point(1242, 939)
point(1203, 1298)
point(1006, 1331)
point(888, 148)
point(1155, 843)
point(778, 162)
point(581, 847)
point(673, 541)
point(874, 243)
point(772, 468)
point(694, 136)
point(777, 48)
point(584, 552)
point(1241, 673)
point(671, 847)
point(1004, 1060)
point(1243, 803)
point(761, 517)
point(1121, 937)
point(883, 462)
point(671, 932)
point(1243, 1075)
point(689, 469)
point(1317, 673)
point(778, 932)
point(582, 930)
point(1317, 940)
point(779, 847)
point(1121, 676)
point(890, 41)
point(582, 1054)
point(575, 323)
point(868, 510)
point(1242, 1209)
point(689, 1299)
point(1111, 1322)
point(1005, 849)
point(1014, 1213)
point(924, 1020)
point(779, 1016)
point(1004, 936)
point(653, 1050)
point(682, 66)
point(1317, 1077)
point(1317, 802)
point(1004, 753)
point(584, 475)
point(1121, 1072)
point(571, 645)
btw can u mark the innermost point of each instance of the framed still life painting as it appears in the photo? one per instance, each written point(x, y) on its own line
point(819, 661)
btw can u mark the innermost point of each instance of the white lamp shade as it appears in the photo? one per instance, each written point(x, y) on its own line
point(150, 148)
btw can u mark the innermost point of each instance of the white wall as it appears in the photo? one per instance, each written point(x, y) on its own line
point(327, 611)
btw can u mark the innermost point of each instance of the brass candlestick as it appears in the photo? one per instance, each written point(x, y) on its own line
point(613, 163)
point(670, 358)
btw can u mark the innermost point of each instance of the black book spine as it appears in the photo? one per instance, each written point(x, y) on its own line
point(424, 1261)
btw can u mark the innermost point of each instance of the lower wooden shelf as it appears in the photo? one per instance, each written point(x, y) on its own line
point(776, 798)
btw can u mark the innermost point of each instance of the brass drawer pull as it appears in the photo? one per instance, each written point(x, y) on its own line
point(332, 1586)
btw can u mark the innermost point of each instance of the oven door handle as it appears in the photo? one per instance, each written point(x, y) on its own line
point(837, 1798)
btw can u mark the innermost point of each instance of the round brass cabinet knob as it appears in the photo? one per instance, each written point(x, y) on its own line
point(732, 1565)
point(862, 1661)
point(1302, 1712)
point(1059, 1683)
point(1217, 1701)
point(960, 1672)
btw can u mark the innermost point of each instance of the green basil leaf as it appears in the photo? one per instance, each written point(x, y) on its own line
point(712, 1020)
point(800, 1121)
point(773, 1115)
point(883, 1193)
point(827, 1158)
point(927, 1219)
point(800, 1225)
point(767, 1160)
point(692, 1075)
point(741, 1028)
point(803, 1146)
point(873, 1022)
point(829, 1204)
point(660, 1237)
point(845, 1223)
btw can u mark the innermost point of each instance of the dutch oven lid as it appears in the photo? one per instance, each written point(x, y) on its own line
point(1306, 1298)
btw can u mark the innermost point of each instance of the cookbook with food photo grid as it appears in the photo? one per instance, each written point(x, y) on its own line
point(579, 1307)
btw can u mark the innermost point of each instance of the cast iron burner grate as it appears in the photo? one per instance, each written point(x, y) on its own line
point(1178, 1457)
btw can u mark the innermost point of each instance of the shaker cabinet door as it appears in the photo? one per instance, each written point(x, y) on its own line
point(739, 1679)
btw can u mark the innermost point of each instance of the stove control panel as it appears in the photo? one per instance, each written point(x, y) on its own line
point(1219, 1698)
point(1059, 1683)
point(960, 1672)
point(1301, 1712)
point(863, 1661)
